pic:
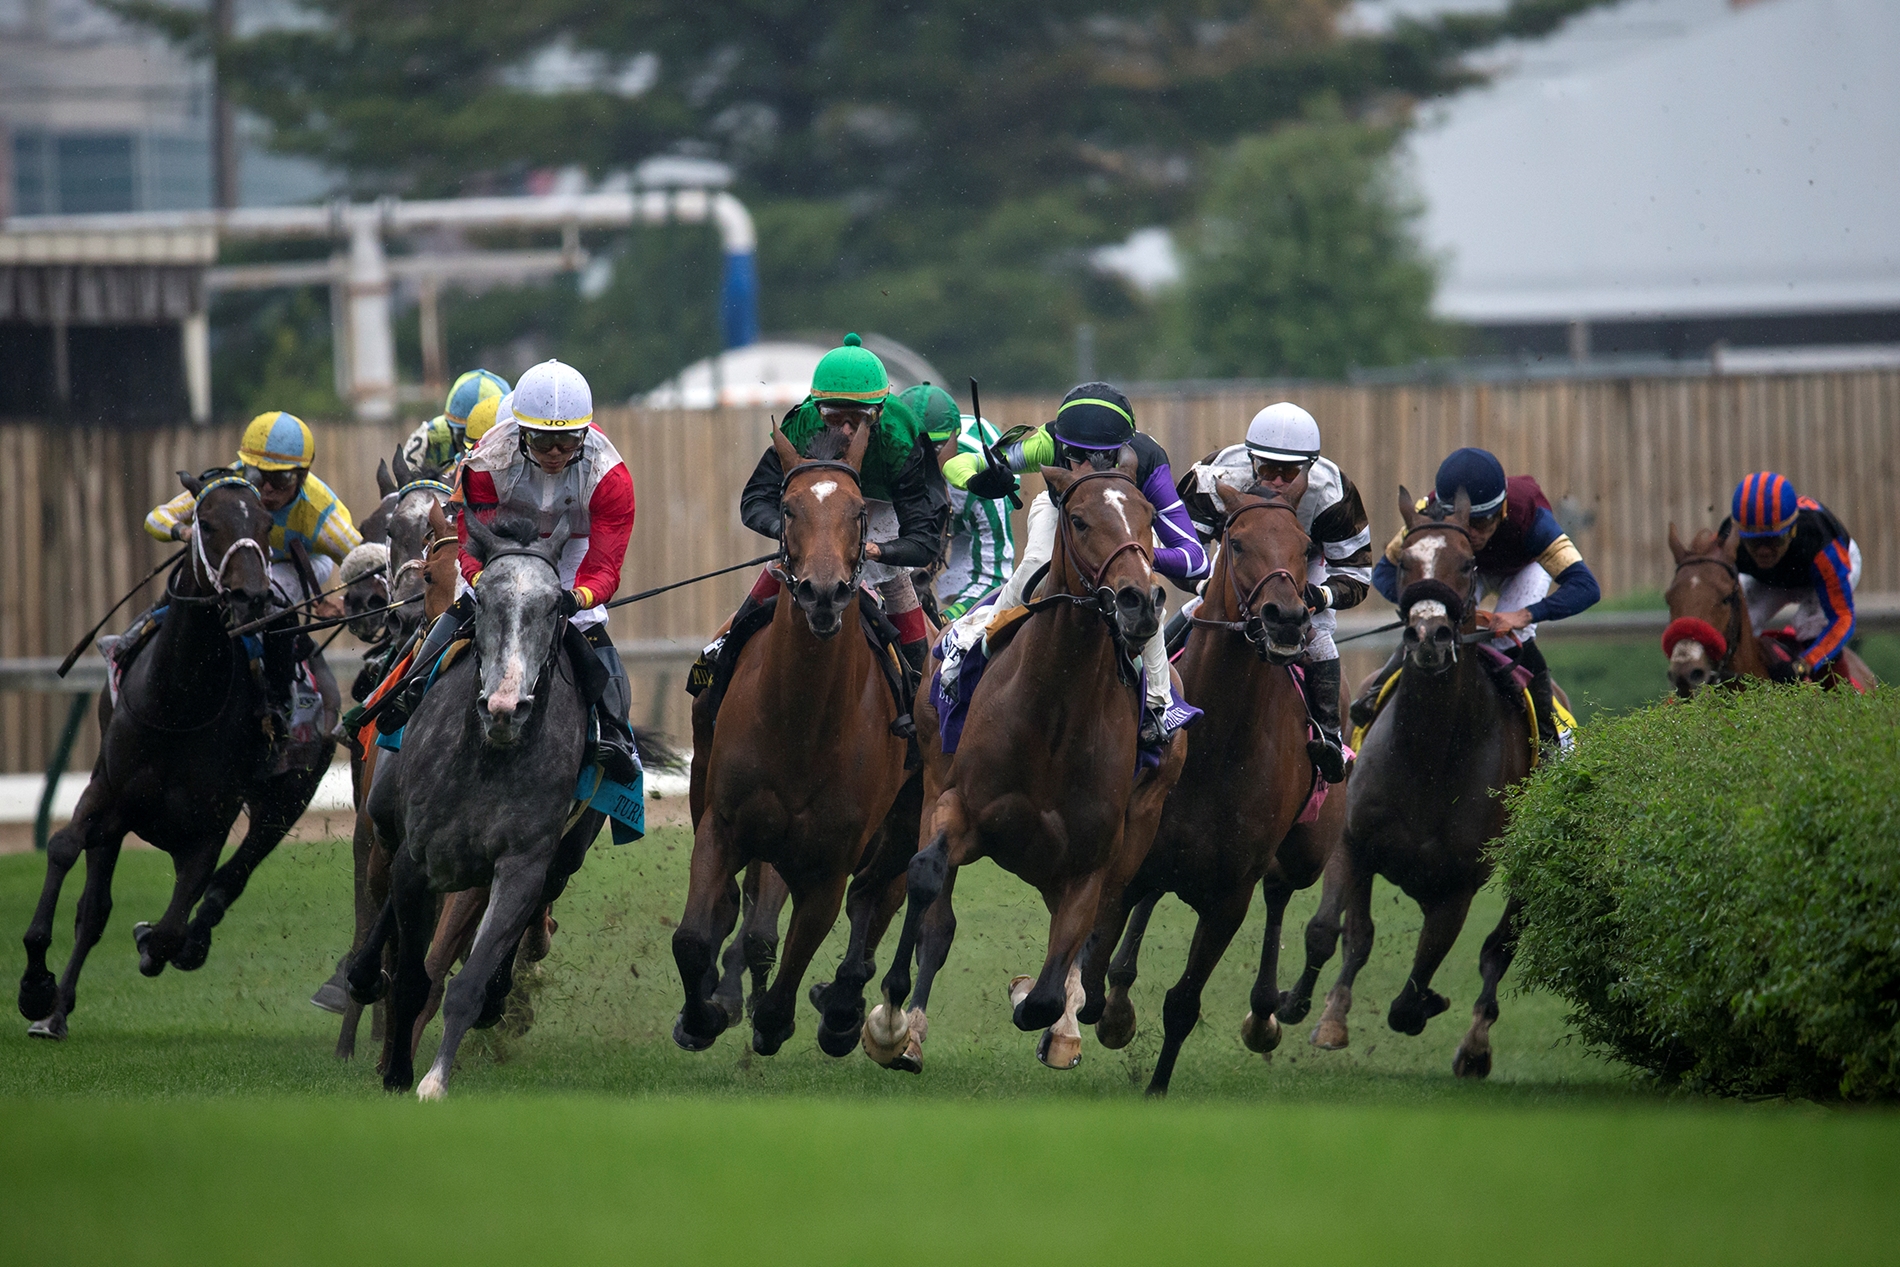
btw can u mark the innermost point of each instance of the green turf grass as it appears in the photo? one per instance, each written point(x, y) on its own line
point(200, 1117)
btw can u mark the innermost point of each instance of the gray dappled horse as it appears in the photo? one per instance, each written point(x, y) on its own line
point(480, 794)
point(181, 752)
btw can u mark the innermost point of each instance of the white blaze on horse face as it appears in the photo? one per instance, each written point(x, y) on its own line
point(1423, 554)
point(824, 488)
point(1119, 500)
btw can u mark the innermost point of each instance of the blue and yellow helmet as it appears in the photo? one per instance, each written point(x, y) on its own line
point(470, 390)
point(277, 441)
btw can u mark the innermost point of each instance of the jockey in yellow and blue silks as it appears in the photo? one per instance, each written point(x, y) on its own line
point(1795, 551)
point(468, 413)
point(275, 454)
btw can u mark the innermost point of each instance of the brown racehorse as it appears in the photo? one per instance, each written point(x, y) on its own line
point(802, 766)
point(1423, 803)
point(1246, 780)
point(1044, 781)
point(1711, 638)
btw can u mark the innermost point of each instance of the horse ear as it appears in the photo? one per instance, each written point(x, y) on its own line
point(192, 483)
point(481, 540)
point(787, 455)
point(1058, 478)
point(859, 446)
point(1126, 462)
point(1407, 512)
point(1227, 496)
point(1730, 543)
point(1461, 509)
point(1676, 547)
point(555, 541)
point(384, 484)
point(401, 467)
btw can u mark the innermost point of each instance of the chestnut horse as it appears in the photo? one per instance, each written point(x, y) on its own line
point(802, 766)
point(1423, 802)
point(1245, 783)
point(1711, 638)
point(1045, 778)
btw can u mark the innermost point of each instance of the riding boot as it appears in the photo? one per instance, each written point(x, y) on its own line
point(1366, 707)
point(280, 666)
point(700, 676)
point(1176, 631)
point(619, 759)
point(1543, 699)
point(1322, 704)
point(915, 655)
point(394, 715)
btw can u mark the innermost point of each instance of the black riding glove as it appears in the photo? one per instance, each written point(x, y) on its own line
point(569, 605)
point(1315, 599)
point(992, 483)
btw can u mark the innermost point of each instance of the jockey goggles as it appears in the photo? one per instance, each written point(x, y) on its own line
point(553, 441)
point(276, 480)
point(838, 412)
point(1279, 470)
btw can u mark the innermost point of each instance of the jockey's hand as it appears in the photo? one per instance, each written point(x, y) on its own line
point(1315, 599)
point(872, 552)
point(329, 606)
point(182, 533)
point(992, 483)
point(570, 605)
point(1505, 622)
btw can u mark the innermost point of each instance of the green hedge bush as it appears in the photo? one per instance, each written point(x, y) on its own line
point(1715, 887)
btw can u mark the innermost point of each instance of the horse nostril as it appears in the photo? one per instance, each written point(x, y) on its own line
point(1128, 598)
point(843, 592)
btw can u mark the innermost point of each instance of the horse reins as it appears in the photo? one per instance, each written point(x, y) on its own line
point(201, 561)
point(786, 577)
point(1243, 603)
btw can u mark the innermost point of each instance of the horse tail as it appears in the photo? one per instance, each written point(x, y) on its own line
point(656, 750)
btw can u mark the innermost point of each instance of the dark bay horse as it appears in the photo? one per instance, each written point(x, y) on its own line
point(1711, 638)
point(182, 751)
point(481, 795)
point(1423, 802)
point(801, 768)
point(1044, 780)
point(1246, 780)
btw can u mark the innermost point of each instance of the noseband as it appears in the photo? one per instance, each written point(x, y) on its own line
point(1252, 626)
point(1725, 667)
point(784, 573)
point(201, 561)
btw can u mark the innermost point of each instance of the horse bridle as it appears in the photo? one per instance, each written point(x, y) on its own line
point(554, 643)
point(1724, 668)
point(421, 561)
point(1099, 598)
point(1252, 625)
point(1467, 603)
point(201, 561)
point(784, 573)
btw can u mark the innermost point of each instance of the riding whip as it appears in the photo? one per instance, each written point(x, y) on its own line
point(691, 580)
point(1367, 633)
point(314, 625)
point(990, 455)
point(79, 648)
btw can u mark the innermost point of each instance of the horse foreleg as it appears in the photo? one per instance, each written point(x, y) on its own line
point(1417, 1002)
point(42, 1001)
point(454, 937)
point(1116, 1028)
point(1181, 1009)
point(1331, 1034)
point(814, 911)
point(410, 915)
point(933, 947)
point(513, 896)
point(759, 940)
point(1071, 919)
point(711, 911)
point(1473, 1059)
point(167, 940)
point(1322, 936)
point(876, 892)
point(1260, 1031)
point(362, 842)
point(39, 991)
point(887, 1029)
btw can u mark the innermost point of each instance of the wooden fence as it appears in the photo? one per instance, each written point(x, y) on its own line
point(1620, 458)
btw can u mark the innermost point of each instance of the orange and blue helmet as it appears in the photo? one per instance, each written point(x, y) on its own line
point(1765, 505)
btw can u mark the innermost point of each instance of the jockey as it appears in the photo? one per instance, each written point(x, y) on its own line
point(1281, 458)
point(1522, 552)
point(982, 547)
point(466, 416)
point(546, 460)
point(1091, 426)
point(1795, 551)
point(903, 493)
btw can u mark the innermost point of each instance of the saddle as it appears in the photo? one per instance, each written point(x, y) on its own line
point(1512, 681)
point(878, 631)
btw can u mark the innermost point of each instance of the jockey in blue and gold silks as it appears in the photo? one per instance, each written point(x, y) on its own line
point(441, 442)
point(275, 455)
point(1795, 551)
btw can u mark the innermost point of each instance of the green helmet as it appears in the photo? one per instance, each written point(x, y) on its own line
point(936, 409)
point(852, 373)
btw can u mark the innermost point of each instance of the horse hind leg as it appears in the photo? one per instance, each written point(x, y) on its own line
point(814, 911)
point(166, 941)
point(513, 897)
point(759, 939)
point(712, 909)
point(1322, 936)
point(409, 916)
point(1116, 1028)
point(933, 948)
point(873, 898)
point(453, 938)
point(1417, 1002)
point(1473, 1059)
point(1260, 1030)
point(887, 1030)
point(273, 813)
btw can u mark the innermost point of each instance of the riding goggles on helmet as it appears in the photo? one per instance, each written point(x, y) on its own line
point(273, 479)
point(554, 441)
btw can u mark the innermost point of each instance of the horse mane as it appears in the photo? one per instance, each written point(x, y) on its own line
point(516, 530)
point(829, 445)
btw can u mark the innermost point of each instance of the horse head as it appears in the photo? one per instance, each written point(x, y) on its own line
point(413, 532)
point(364, 576)
point(1105, 534)
point(230, 544)
point(1438, 579)
point(1263, 557)
point(517, 625)
point(823, 526)
point(1708, 621)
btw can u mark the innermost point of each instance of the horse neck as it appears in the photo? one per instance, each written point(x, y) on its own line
point(1437, 718)
point(1748, 660)
point(1075, 640)
point(191, 651)
point(803, 674)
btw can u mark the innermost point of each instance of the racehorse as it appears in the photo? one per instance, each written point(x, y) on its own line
point(800, 767)
point(1423, 802)
point(1711, 637)
point(1246, 780)
point(181, 751)
point(482, 793)
point(1044, 780)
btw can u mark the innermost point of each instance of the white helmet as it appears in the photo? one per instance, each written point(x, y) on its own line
point(551, 396)
point(1283, 433)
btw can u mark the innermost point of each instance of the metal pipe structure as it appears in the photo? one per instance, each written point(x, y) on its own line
point(367, 359)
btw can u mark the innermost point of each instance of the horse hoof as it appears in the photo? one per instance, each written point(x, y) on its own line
point(1059, 1051)
point(332, 997)
point(1260, 1036)
point(1435, 1004)
point(689, 1041)
point(150, 964)
point(886, 1034)
point(52, 1027)
point(910, 1061)
point(817, 994)
point(1329, 1036)
point(1293, 1010)
point(1476, 1064)
point(1116, 1029)
point(767, 1043)
point(39, 994)
point(370, 990)
point(432, 1088)
point(1030, 1016)
point(192, 955)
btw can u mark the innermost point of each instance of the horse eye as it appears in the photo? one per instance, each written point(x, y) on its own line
point(1076, 520)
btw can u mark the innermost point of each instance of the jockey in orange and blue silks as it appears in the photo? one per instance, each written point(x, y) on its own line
point(1795, 551)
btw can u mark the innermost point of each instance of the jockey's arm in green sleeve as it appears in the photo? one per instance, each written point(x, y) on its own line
point(1031, 453)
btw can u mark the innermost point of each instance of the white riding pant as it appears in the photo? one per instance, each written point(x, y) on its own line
point(1039, 547)
point(1516, 591)
point(1809, 621)
point(893, 583)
